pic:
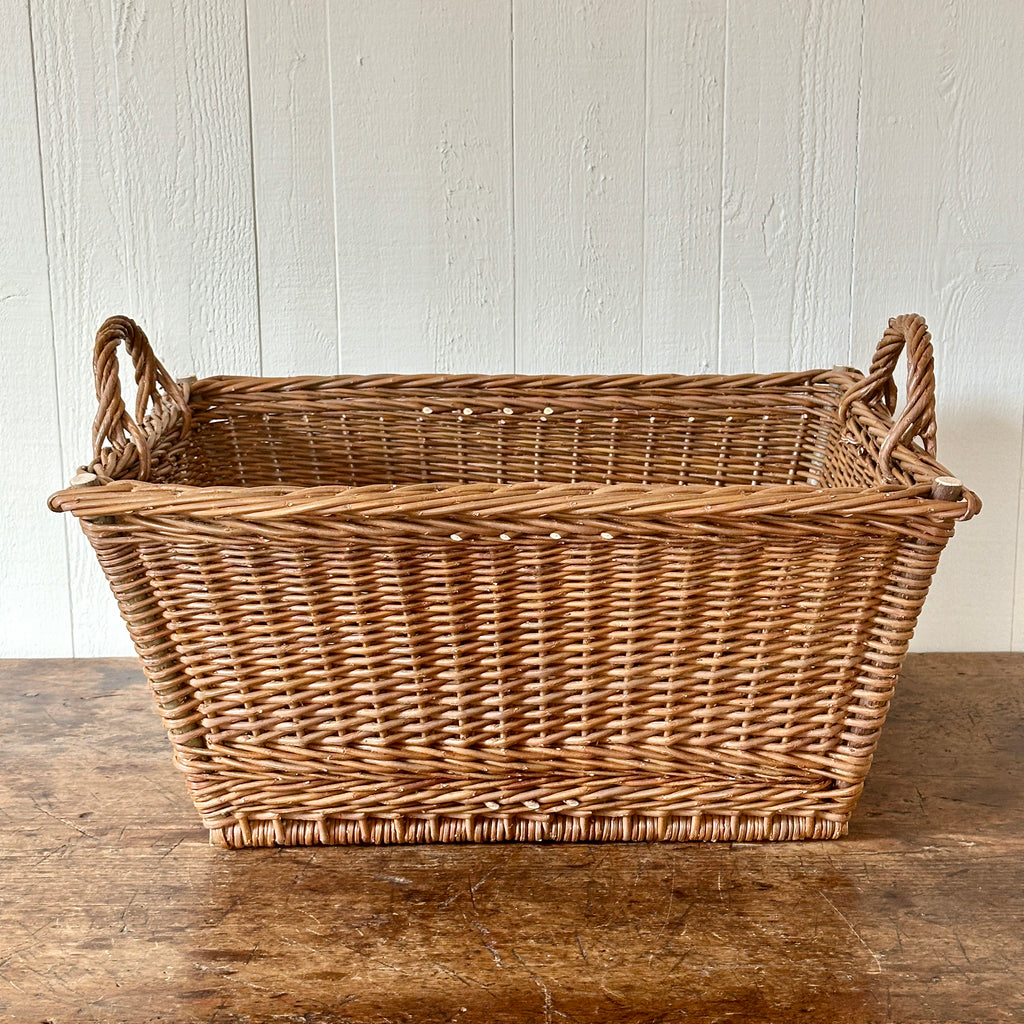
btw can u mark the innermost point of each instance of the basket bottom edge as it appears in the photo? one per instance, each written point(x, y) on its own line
point(380, 831)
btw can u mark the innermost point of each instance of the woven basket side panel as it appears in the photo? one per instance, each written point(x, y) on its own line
point(121, 558)
point(848, 464)
point(708, 439)
point(716, 659)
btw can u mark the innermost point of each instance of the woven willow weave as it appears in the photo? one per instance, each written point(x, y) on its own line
point(437, 608)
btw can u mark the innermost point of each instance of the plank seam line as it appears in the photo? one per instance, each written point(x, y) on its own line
point(126, 205)
point(53, 331)
point(643, 187)
point(856, 189)
point(721, 181)
point(512, 173)
point(252, 188)
point(339, 362)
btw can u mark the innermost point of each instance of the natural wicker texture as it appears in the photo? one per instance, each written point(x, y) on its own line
point(412, 609)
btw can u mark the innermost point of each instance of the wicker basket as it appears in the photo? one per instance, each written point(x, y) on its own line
point(435, 608)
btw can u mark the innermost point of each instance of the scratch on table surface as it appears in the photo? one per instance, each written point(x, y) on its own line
point(50, 851)
point(671, 900)
point(583, 952)
point(393, 879)
point(172, 796)
point(170, 849)
point(549, 1006)
point(616, 997)
point(11, 982)
point(465, 981)
point(454, 893)
point(548, 1001)
point(244, 982)
point(476, 885)
point(316, 920)
point(46, 978)
point(364, 955)
point(641, 865)
point(292, 941)
point(857, 935)
point(63, 821)
point(664, 924)
point(305, 866)
point(124, 913)
point(485, 933)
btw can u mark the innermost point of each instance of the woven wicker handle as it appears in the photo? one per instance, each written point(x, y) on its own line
point(113, 424)
point(918, 417)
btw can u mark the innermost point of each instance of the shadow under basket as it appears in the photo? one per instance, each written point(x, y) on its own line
point(469, 608)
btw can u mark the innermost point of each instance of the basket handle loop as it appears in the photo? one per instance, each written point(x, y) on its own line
point(113, 424)
point(918, 417)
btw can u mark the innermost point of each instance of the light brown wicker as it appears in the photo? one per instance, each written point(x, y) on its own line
point(434, 608)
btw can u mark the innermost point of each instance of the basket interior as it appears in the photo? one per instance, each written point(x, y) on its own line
point(348, 436)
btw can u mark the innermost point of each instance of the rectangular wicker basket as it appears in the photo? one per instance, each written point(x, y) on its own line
point(437, 608)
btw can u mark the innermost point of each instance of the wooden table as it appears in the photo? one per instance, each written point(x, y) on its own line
point(115, 908)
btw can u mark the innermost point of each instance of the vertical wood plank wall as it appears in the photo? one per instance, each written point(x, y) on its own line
point(289, 186)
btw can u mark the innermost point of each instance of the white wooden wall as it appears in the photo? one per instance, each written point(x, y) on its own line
point(494, 185)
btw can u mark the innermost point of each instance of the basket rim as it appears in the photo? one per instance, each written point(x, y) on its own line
point(92, 497)
point(94, 494)
point(838, 375)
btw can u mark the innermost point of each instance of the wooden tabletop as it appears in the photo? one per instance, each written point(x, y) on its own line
point(113, 907)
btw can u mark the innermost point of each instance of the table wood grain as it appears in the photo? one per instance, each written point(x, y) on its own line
point(114, 907)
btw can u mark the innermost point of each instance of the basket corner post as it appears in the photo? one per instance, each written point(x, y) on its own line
point(219, 839)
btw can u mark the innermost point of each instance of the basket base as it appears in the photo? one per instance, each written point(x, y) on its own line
point(740, 828)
